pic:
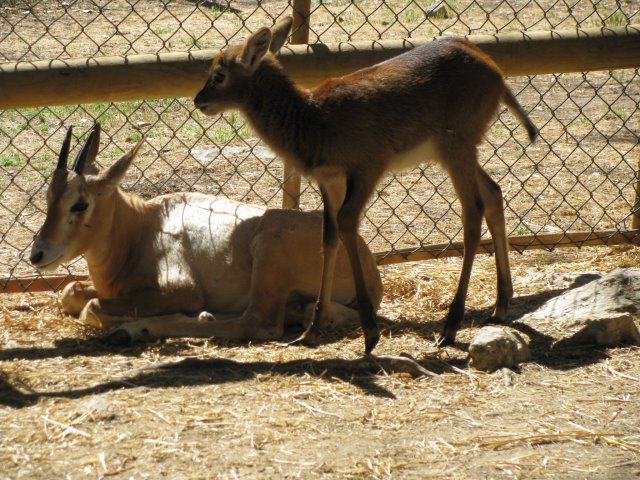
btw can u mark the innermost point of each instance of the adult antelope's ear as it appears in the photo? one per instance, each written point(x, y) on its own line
point(255, 48)
point(84, 161)
point(64, 151)
point(279, 33)
point(110, 178)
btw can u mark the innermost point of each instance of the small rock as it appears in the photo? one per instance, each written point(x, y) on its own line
point(99, 409)
point(609, 331)
point(558, 280)
point(494, 348)
point(508, 377)
point(439, 10)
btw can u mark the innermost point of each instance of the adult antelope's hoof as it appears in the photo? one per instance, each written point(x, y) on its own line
point(118, 337)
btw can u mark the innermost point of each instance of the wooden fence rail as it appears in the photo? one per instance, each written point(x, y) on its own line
point(170, 75)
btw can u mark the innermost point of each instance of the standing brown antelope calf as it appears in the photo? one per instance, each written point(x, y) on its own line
point(432, 103)
point(154, 263)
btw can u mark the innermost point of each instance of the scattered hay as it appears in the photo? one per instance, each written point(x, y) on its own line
point(199, 408)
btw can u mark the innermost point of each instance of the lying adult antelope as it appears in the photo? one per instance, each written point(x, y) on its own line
point(157, 264)
point(434, 102)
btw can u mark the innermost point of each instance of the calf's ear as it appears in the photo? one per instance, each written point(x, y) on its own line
point(255, 48)
point(279, 34)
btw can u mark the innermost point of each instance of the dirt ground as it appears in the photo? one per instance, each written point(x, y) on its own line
point(70, 407)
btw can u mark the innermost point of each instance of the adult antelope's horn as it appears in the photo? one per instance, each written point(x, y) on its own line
point(89, 150)
point(64, 151)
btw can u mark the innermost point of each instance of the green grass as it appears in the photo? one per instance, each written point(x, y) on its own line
point(194, 131)
point(411, 15)
point(11, 159)
point(622, 114)
point(116, 153)
point(616, 19)
point(580, 121)
point(224, 132)
point(217, 11)
point(44, 164)
point(135, 137)
point(522, 229)
point(193, 42)
point(163, 30)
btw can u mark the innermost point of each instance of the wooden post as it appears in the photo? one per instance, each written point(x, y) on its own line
point(300, 36)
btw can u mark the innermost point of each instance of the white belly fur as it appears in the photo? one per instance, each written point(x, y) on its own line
point(421, 153)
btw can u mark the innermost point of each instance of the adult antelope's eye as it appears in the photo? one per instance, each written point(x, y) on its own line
point(79, 207)
point(219, 77)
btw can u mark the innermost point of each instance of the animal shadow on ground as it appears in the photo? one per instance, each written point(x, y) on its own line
point(359, 372)
point(197, 372)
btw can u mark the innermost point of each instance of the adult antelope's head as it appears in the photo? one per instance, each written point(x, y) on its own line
point(231, 72)
point(77, 203)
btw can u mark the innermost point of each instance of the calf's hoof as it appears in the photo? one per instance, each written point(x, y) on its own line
point(307, 339)
point(371, 339)
point(444, 341)
point(494, 320)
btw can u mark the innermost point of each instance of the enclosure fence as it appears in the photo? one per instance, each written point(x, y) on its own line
point(575, 186)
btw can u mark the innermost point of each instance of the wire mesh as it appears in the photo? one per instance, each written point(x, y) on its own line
point(580, 175)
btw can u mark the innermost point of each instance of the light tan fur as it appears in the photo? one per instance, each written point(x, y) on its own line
point(185, 264)
point(435, 100)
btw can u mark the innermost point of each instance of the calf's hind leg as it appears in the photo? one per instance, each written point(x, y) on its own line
point(462, 165)
point(494, 215)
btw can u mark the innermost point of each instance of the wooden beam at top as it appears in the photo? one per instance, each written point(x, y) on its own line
point(170, 75)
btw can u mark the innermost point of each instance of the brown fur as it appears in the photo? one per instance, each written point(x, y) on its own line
point(437, 99)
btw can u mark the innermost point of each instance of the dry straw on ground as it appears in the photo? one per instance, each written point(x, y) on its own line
point(71, 407)
point(193, 408)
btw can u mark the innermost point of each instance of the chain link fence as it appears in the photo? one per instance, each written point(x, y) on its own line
point(579, 176)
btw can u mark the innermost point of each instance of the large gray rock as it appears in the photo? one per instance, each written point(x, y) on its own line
point(601, 312)
point(493, 348)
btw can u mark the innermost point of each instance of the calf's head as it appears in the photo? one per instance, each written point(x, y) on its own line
point(78, 203)
point(232, 71)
